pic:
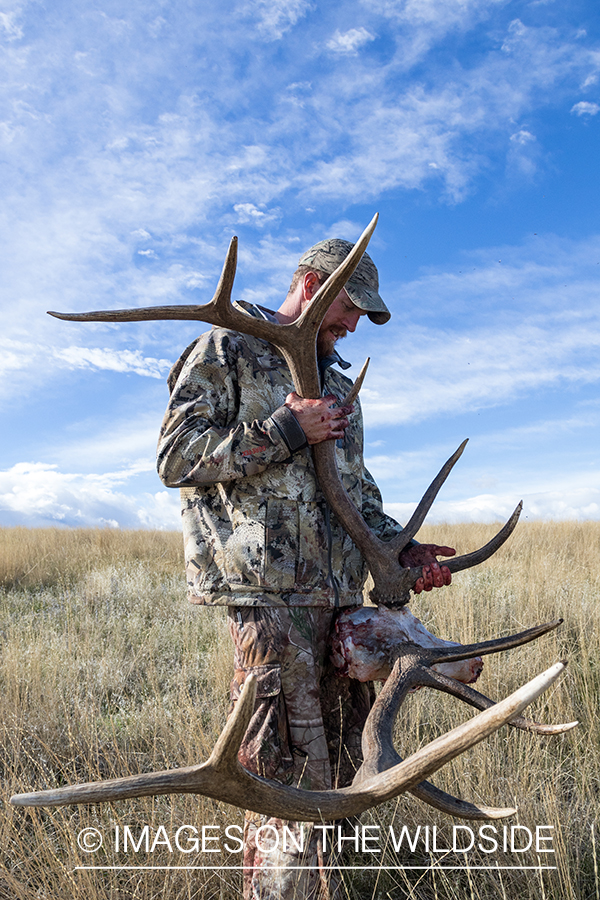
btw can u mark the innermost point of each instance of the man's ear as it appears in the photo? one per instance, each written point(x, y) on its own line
point(310, 286)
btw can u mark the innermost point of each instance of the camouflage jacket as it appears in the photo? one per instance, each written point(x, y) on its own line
point(257, 529)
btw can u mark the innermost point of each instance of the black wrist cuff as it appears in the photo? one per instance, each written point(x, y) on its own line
point(290, 429)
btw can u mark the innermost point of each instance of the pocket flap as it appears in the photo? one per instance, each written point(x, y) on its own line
point(268, 680)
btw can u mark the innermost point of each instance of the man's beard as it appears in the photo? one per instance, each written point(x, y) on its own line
point(326, 343)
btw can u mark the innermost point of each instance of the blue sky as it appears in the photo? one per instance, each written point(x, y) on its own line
point(138, 137)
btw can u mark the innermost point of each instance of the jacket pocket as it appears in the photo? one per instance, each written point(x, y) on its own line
point(280, 545)
point(296, 546)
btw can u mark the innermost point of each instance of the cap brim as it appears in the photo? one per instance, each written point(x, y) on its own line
point(369, 301)
point(380, 318)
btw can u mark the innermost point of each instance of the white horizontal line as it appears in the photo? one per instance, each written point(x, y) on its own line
point(322, 868)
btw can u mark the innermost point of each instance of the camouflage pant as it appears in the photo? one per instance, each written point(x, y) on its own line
point(305, 731)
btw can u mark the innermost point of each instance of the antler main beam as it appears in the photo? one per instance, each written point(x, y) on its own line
point(297, 343)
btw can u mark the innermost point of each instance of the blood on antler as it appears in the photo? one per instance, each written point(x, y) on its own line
point(383, 774)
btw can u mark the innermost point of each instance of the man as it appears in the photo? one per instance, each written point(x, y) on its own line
point(260, 539)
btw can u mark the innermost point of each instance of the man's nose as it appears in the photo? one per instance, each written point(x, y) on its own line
point(351, 321)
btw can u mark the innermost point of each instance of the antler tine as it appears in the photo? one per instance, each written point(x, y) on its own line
point(480, 701)
point(418, 517)
point(138, 314)
point(222, 297)
point(354, 390)
point(408, 577)
point(483, 648)
point(220, 768)
point(252, 792)
point(468, 560)
point(226, 749)
point(454, 806)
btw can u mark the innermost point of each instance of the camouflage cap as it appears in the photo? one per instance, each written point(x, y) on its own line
point(363, 286)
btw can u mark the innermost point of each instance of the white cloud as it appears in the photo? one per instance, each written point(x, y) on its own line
point(190, 159)
point(275, 17)
point(522, 137)
point(446, 12)
point(404, 133)
point(12, 31)
point(349, 41)
point(556, 504)
point(522, 154)
point(34, 357)
point(490, 459)
point(250, 214)
point(127, 440)
point(584, 108)
point(38, 495)
point(461, 373)
point(424, 23)
point(347, 229)
point(178, 169)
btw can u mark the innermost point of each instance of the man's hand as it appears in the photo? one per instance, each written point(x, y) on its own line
point(321, 420)
point(425, 555)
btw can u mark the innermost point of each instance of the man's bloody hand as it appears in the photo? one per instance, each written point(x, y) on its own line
point(426, 555)
point(321, 420)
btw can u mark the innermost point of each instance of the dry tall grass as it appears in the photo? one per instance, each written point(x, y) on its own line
point(106, 670)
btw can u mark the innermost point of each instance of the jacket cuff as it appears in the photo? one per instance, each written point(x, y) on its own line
point(290, 429)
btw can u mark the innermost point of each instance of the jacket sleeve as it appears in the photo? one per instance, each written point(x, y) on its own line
point(201, 438)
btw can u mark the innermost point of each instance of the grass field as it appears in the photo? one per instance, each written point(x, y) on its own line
point(106, 670)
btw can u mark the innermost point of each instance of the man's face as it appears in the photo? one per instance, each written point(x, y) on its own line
point(341, 317)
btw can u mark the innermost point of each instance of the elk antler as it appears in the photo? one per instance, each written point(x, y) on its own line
point(297, 342)
point(222, 777)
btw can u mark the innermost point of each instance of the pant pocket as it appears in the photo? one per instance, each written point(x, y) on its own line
point(265, 749)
